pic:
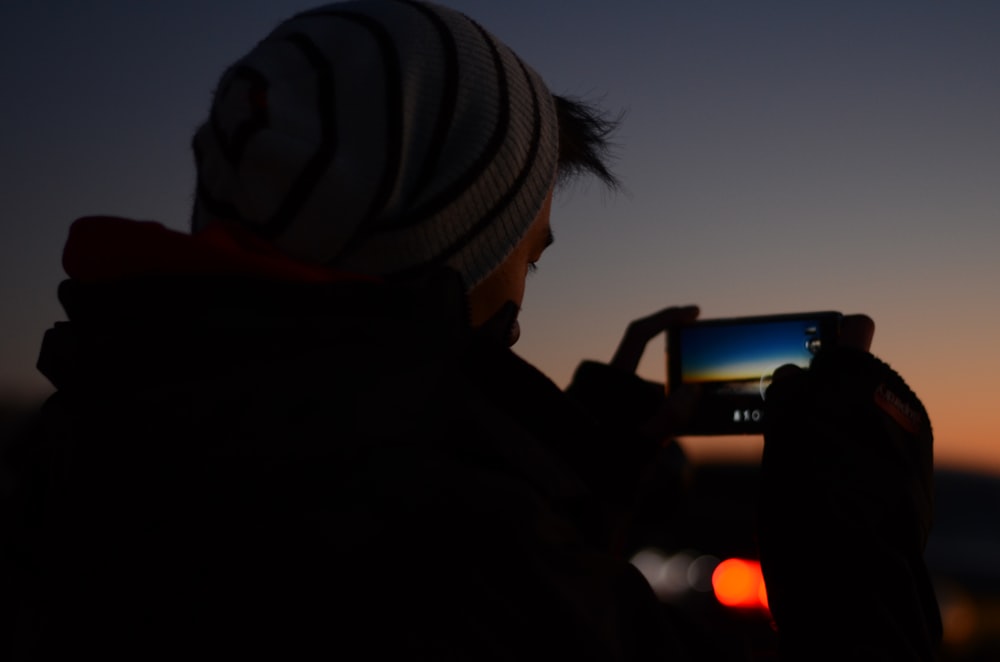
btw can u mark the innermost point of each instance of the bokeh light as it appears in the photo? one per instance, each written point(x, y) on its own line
point(740, 583)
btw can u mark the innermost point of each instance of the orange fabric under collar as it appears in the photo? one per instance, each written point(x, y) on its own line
point(105, 248)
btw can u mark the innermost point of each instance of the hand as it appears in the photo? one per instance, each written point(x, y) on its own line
point(679, 402)
point(856, 332)
point(641, 331)
point(846, 488)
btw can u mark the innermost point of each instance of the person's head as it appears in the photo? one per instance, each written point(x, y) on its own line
point(391, 138)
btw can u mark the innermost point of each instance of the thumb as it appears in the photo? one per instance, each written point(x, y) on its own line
point(857, 331)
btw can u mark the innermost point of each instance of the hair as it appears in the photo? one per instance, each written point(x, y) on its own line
point(584, 145)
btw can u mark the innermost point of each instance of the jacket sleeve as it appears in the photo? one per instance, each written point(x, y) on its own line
point(646, 476)
point(620, 456)
point(846, 508)
point(617, 398)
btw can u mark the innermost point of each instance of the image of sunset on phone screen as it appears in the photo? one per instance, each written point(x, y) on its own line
point(745, 352)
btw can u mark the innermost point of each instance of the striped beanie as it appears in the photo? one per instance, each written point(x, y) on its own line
point(382, 137)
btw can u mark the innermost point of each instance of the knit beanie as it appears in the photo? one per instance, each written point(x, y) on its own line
point(382, 137)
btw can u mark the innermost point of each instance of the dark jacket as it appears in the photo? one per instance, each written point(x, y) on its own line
point(252, 458)
point(235, 466)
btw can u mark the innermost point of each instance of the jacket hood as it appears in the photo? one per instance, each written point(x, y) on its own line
point(147, 304)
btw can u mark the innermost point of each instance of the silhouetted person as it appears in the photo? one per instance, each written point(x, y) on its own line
point(299, 431)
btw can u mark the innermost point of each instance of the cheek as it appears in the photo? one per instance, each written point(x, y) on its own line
point(513, 281)
point(503, 285)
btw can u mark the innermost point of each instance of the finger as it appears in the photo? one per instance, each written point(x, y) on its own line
point(786, 371)
point(666, 318)
point(641, 331)
point(857, 331)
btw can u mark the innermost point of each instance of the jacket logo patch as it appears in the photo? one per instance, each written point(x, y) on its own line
point(908, 418)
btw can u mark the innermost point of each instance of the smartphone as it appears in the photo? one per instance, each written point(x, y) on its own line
point(732, 360)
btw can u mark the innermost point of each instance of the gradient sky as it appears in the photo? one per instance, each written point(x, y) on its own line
point(777, 156)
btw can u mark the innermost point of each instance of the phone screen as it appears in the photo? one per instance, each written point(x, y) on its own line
point(732, 361)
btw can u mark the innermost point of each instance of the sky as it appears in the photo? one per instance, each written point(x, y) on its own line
point(777, 156)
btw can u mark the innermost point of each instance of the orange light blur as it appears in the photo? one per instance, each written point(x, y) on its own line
point(762, 592)
point(739, 583)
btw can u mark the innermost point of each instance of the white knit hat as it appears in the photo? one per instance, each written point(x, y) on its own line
point(382, 137)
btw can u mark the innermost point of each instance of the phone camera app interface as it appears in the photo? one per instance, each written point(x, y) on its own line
point(739, 360)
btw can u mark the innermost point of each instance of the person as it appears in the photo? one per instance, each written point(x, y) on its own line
point(300, 431)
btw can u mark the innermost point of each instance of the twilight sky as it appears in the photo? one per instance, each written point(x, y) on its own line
point(778, 156)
